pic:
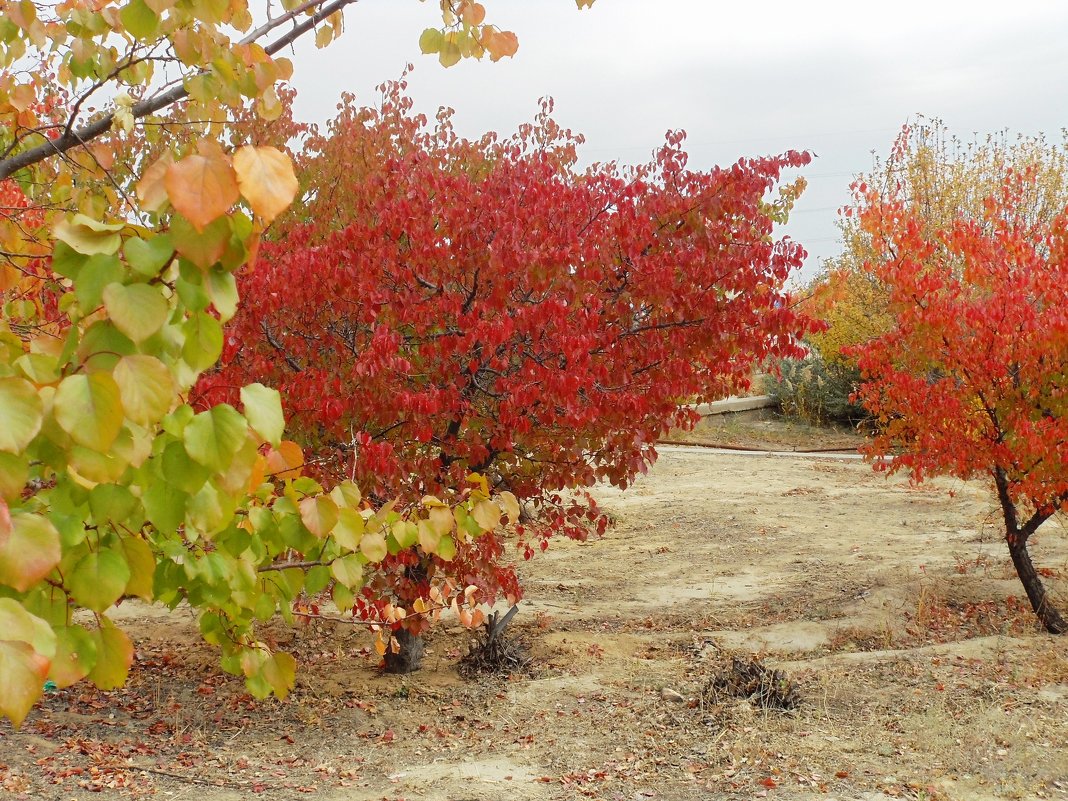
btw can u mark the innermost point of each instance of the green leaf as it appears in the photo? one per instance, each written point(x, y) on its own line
point(14, 473)
point(165, 506)
point(342, 596)
point(317, 579)
point(140, 20)
point(66, 261)
point(146, 388)
point(21, 412)
point(349, 528)
point(181, 470)
point(406, 533)
point(175, 422)
point(263, 409)
point(138, 310)
point(112, 502)
point(88, 236)
point(89, 408)
point(149, 256)
point(221, 287)
point(99, 579)
point(114, 655)
point(102, 345)
point(214, 437)
point(203, 341)
point(142, 564)
point(40, 368)
point(190, 287)
point(75, 656)
point(349, 571)
point(31, 552)
point(449, 53)
point(96, 466)
point(447, 548)
point(210, 511)
point(346, 494)
point(203, 248)
point(265, 606)
point(97, 273)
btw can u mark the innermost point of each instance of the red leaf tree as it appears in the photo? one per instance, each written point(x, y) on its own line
point(441, 307)
point(972, 380)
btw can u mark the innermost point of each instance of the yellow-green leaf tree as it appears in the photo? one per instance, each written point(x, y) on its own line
point(123, 217)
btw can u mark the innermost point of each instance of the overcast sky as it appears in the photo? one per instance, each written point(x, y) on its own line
point(741, 78)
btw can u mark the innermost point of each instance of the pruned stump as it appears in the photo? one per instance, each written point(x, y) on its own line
point(494, 653)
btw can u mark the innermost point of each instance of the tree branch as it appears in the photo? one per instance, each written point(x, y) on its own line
point(90, 131)
point(293, 364)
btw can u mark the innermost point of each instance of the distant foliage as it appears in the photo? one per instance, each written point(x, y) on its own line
point(943, 179)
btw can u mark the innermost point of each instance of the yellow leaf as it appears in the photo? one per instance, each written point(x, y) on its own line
point(88, 236)
point(324, 36)
point(511, 506)
point(265, 176)
point(487, 514)
point(441, 520)
point(202, 187)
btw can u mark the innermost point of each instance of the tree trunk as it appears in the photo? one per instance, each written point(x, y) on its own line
point(410, 656)
point(1017, 536)
point(1032, 582)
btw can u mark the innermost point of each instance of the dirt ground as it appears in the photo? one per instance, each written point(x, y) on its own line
point(892, 611)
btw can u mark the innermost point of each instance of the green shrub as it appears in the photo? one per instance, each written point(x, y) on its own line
point(816, 391)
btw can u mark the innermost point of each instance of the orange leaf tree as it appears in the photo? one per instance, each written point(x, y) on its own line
point(972, 377)
point(438, 307)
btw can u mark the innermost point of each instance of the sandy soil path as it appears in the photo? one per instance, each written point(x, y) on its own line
point(892, 611)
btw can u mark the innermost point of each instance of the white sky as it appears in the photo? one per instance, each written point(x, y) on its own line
point(741, 78)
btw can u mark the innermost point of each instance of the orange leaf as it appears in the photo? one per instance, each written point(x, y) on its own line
point(202, 187)
point(266, 179)
point(473, 13)
point(286, 460)
point(151, 190)
point(5, 522)
point(259, 473)
point(499, 43)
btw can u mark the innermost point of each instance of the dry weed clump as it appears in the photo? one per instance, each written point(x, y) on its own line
point(749, 679)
